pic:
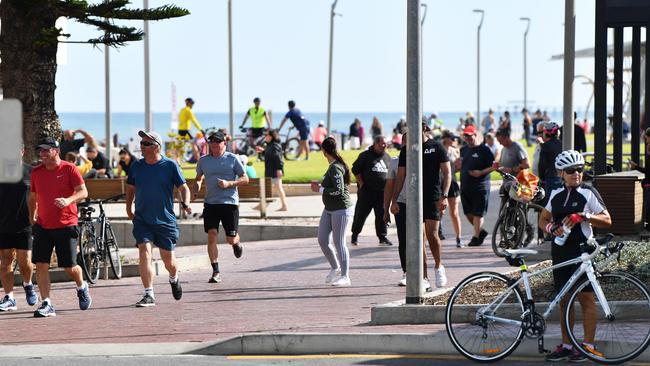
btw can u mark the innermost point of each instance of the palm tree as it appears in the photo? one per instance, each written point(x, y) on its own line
point(28, 45)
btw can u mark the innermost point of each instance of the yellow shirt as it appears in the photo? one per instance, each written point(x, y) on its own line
point(185, 117)
point(257, 117)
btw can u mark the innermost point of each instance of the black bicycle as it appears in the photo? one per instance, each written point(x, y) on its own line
point(511, 230)
point(243, 145)
point(97, 244)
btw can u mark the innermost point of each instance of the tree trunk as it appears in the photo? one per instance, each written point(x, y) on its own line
point(28, 68)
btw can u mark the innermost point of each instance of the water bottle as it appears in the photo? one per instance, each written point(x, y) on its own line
point(560, 240)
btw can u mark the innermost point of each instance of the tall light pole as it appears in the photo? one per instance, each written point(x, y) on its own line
point(569, 72)
point(231, 114)
point(478, 65)
point(527, 20)
point(329, 80)
point(107, 101)
point(148, 122)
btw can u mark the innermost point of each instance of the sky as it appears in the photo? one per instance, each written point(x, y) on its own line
point(280, 52)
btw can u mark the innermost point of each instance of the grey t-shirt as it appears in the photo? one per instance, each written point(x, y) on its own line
point(392, 174)
point(512, 155)
point(226, 167)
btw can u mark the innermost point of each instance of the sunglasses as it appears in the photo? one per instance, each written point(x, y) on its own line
point(215, 141)
point(148, 143)
point(573, 170)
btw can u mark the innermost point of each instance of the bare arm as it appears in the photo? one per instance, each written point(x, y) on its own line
point(184, 192)
point(282, 123)
point(130, 196)
point(245, 119)
point(241, 181)
point(397, 188)
point(80, 192)
point(388, 196)
point(198, 182)
point(90, 140)
point(31, 204)
point(359, 180)
point(268, 119)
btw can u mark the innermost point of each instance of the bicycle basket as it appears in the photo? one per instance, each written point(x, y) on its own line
point(525, 188)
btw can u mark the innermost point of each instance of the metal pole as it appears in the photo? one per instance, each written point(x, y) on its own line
point(478, 66)
point(414, 157)
point(148, 122)
point(231, 116)
point(527, 20)
point(569, 70)
point(107, 100)
point(329, 80)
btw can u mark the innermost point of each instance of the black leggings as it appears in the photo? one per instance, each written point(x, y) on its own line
point(400, 222)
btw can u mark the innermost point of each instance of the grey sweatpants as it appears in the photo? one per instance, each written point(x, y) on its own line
point(336, 223)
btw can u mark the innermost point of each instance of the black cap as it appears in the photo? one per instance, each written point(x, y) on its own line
point(217, 137)
point(503, 131)
point(48, 143)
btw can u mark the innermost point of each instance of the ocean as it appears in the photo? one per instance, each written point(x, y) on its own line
point(126, 125)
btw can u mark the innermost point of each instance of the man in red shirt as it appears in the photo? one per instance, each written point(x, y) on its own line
point(56, 187)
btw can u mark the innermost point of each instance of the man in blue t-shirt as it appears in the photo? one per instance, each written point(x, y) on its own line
point(223, 173)
point(151, 183)
point(301, 124)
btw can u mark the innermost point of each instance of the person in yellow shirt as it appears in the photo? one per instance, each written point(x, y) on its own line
point(186, 118)
point(259, 121)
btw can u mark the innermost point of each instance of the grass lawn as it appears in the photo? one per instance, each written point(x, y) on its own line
point(305, 171)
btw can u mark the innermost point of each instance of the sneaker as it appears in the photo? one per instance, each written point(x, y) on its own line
point(475, 242)
point(458, 243)
point(8, 304)
point(580, 357)
point(30, 294)
point(84, 298)
point(177, 290)
point(384, 242)
point(334, 274)
point(354, 240)
point(215, 278)
point(45, 310)
point(560, 354)
point(343, 281)
point(441, 277)
point(402, 282)
point(237, 249)
point(440, 234)
point(482, 235)
point(426, 286)
point(146, 301)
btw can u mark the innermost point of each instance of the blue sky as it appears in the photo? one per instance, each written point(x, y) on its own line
point(281, 53)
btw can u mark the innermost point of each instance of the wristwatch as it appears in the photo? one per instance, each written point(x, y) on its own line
point(184, 205)
point(586, 215)
point(444, 196)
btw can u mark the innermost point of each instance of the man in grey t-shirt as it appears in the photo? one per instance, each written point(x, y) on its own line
point(223, 174)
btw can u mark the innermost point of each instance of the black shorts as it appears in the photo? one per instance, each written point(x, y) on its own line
point(63, 240)
point(454, 189)
point(21, 240)
point(475, 202)
point(430, 210)
point(562, 275)
point(257, 132)
point(185, 133)
point(228, 215)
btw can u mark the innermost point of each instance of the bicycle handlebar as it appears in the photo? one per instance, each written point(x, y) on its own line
point(88, 201)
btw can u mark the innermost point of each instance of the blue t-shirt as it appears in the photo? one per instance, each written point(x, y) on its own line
point(299, 121)
point(154, 190)
point(226, 167)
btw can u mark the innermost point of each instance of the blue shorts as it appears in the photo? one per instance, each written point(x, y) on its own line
point(304, 133)
point(162, 236)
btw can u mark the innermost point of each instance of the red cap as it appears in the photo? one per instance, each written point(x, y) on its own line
point(469, 130)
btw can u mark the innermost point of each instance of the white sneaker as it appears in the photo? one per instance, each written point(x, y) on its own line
point(402, 282)
point(441, 277)
point(334, 273)
point(426, 286)
point(343, 281)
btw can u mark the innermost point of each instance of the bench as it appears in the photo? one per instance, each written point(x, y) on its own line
point(254, 191)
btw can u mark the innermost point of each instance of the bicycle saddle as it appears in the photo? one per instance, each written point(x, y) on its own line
point(519, 253)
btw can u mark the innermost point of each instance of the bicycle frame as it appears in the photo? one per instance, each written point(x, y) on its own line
point(586, 266)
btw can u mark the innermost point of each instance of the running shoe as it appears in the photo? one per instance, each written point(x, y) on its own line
point(8, 304)
point(146, 301)
point(343, 281)
point(177, 290)
point(440, 234)
point(458, 243)
point(84, 298)
point(560, 354)
point(30, 294)
point(578, 356)
point(402, 282)
point(215, 278)
point(441, 277)
point(237, 249)
point(482, 235)
point(474, 242)
point(333, 275)
point(426, 286)
point(46, 310)
point(384, 242)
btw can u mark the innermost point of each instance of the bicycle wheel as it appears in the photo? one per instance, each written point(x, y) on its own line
point(480, 330)
point(624, 335)
point(508, 231)
point(291, 148)
point(88, 258)
point(113, 252)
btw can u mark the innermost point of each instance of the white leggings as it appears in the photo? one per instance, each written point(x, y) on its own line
point(336, 223)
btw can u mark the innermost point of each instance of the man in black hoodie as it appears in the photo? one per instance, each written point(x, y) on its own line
point(370, 169)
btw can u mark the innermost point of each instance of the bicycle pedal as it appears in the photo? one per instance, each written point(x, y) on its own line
point(540, 346)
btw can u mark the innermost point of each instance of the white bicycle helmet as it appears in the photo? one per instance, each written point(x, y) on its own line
point(568, 159)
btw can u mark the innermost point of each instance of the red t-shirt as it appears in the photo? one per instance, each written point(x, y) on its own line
point(50, 185)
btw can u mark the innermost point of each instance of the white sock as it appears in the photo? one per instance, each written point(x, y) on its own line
point(149, 291)
point(173, 279)
point(47, 300)
point(10, 295)
point(25, 284)
point(83, 286)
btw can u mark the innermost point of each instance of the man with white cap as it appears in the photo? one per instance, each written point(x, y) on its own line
point(151, 183)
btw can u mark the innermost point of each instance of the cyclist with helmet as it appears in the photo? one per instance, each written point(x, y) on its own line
point(259, 121)
point(576, 207)
point(549, 150)
point(301, 124)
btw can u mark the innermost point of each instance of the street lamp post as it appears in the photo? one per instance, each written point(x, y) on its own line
point(478, 64)
point(148, 123)
point(527, 20)
point(231, 113)
point(329, 82)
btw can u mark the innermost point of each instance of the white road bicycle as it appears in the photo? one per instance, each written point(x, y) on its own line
point(487, 316)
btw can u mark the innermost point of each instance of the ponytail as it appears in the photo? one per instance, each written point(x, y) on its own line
point(329, 146)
